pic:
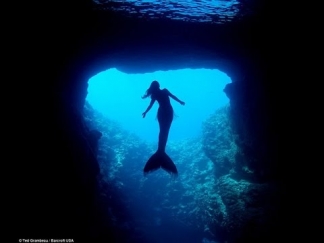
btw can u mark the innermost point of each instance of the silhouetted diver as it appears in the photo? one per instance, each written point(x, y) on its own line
point(165, 116)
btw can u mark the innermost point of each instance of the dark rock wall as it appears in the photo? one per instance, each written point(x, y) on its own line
point(62, 44)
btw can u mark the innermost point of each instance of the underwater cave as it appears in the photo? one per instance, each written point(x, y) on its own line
point(213, 170)
point(91, 184)
point(185, 205)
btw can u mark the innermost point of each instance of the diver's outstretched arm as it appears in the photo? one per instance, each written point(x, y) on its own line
point(149, 107)
point(176, 98)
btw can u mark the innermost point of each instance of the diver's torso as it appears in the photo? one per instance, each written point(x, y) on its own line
point(162, 97)
point(165, 111)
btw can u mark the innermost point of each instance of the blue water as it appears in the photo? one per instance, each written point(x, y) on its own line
point(117, 95)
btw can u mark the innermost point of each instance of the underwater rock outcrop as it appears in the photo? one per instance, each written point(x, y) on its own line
point(249, 208)
point(250, 122)
point(218, 141)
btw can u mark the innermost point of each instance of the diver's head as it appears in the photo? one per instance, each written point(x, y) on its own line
point(153, 87)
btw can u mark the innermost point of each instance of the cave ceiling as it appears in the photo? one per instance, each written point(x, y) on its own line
point(207, 11)
point(146, 35)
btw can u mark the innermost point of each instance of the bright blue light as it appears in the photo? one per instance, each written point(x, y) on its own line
point(118, 96)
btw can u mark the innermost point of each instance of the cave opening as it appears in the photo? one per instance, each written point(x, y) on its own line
point(163, 210)
point(117, 96)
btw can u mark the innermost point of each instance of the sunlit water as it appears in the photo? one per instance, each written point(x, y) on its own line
point(117, 95)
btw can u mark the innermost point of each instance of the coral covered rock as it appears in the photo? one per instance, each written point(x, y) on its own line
point(219, 141)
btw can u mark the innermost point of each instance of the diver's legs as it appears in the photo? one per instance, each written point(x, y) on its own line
point(165, 125)
point(160, 159)
point(163, 138)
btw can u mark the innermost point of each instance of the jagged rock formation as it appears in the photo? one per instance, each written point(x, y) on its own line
point(219, 141)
